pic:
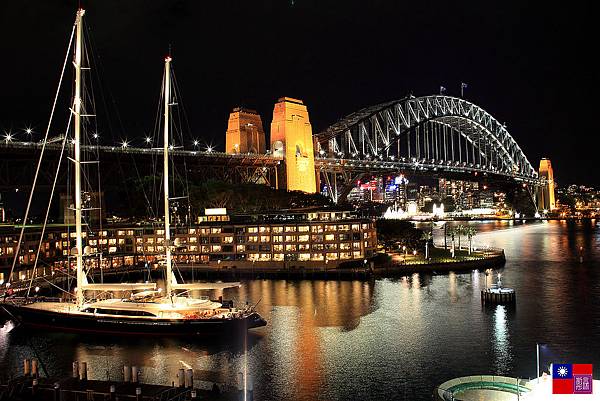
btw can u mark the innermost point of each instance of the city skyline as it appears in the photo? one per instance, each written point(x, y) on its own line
point(356, 64)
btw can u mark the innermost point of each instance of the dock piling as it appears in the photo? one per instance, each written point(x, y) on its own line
point(34, 368)
point(26, 367)
point(56, 391)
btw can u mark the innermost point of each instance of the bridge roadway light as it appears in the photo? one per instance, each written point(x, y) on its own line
point(195, 142)
point(96, 136)
point(124, 144)
point(148, 140)
point(8, 137)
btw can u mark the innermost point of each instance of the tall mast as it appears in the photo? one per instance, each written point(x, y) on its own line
point(77, 122)
point(169, 271)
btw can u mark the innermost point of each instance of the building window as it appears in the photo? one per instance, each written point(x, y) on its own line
point(252, 230)
point(228, 240)
point(240, 248)
point(304, 256)
point(277, 229)
point(331, 246)
point(303, 238)
point(330, 227)
point(215, 248)
point(290, 247)
point(343, 227)
point(253, 256)
point(253, 238)
point(278, 247)
point(265, 238)
point(317, 247)
point(303, 229)
point(344, 255)
point(278, 256)
point(278, 238)
point(290, 238)
point(317, 256)
point(304, 247)
point(215, 230)
point(112, 249)
point(193, 240)
point(332, 256)
point(317, 229)
point(264, 229)
point(355, 227)
point(290, 229)
point(329, 237)
point(265, 256)
point(345, 245)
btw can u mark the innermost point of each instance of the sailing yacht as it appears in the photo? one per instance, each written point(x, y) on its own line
point(148, 309)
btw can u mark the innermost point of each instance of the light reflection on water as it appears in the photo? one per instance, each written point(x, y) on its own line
point(378, 340)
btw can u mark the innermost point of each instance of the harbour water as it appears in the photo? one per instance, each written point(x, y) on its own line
point(386, 339)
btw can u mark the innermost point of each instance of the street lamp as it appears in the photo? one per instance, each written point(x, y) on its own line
point(148, 140)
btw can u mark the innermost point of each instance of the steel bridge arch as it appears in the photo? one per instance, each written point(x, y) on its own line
point(440, 133)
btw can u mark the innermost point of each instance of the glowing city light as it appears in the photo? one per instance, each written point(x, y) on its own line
point(125, 144)
point(196, 142)
point(8, 137)
point(96, 136)
point(148, 139)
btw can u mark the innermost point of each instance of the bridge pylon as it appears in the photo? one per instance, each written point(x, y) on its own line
point(291, 138)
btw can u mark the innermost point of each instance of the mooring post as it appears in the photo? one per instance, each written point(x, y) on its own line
point(34, 368)
point(113, 392)
point(138, 394)
point(34, 387)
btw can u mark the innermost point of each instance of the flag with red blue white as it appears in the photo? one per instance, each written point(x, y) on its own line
point(570, 378)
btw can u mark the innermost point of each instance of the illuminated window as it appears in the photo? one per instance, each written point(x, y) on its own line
point(193, 248)
point(253, 238)
point(357, 254)
point(355, 227)
point(365, 226)
point(290, 229)
point(277, 229)
point(317, 256)
point(278, 238)
point(265, 238)
point(112, 249)
point(278, 256)
point(290, 238)
point(139, 240)
point(303, 229)
point(265, 256)
point(205, 248)
point(317, 229)
point(92, 242)
point(304, 256)
point(304, 247)
point(264, 229)
point(329, 237)
point(303, 238)
point(253, 256)
point(129, 232)
point(215, 248)
point(120, 232)
point(139, 249)
point(228, 240)
point(215, 230)
point(344, 255)
point(64, 235)
point(240, 248)
point(160, 248)
point(356, 245)
point(278, 247)
point(252, 230)
point(121, 241)
point(332, 256)
point(290, 247)
point(330, 227)
point(345, 245)
point(331, 246)
point(192, 231)
point(344, 227)
point(193, 240)
point(150, 240)
point(317, 247)
point(112, 241)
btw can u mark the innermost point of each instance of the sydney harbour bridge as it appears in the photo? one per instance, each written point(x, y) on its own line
point(438, 136)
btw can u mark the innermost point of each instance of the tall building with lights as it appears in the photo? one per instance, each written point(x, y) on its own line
point(546, 198)
point(245, 133)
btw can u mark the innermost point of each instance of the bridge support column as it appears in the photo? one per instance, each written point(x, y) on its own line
point(291, 138)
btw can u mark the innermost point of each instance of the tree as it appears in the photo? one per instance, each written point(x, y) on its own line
point(426, 236)
point(470, 233)
point(390, 232)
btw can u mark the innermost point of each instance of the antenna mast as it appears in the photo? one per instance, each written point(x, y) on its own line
point(167, 99)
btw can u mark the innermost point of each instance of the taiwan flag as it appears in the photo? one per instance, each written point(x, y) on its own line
point(571, 378)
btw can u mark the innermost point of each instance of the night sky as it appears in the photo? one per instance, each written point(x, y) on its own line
point(529, 65)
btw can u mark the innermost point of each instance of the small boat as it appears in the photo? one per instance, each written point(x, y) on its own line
point(147, 310)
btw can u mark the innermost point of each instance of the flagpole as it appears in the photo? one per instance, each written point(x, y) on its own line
point(537, 347)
